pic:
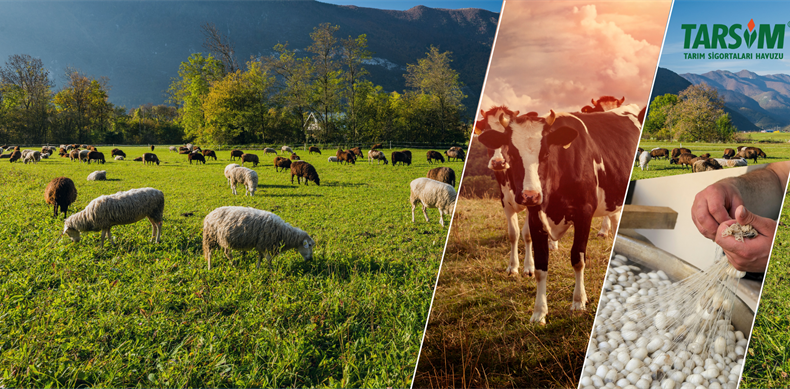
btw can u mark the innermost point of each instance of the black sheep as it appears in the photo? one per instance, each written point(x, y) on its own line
point(302, 169)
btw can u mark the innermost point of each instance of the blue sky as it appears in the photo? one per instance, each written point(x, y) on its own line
point(727, 13)
point(494, 6)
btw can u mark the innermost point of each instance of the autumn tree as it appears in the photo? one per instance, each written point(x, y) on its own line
point(293, 83)
point(220, 46)
point(327, 76)
point(27, 91)
point(83, 105)
point(656, 124)
point(694, 117)
point(189, 90)
point(353, 53)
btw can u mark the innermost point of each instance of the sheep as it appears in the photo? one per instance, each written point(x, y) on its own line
point(121, 208)
point(644, 159)
point(173, 149)
point(269, 150)
point(83, 155)
point(249, 158)
point(332, 159)
point(347, 156)
point(209, 154)
point(377, 155)
point(639, 152)
point(74, 155)
point(63, 152)
point(60, 192)
point(442, 174)
point(119, 158)
point(138, 159)
point(45, 156)
point(432, 194)
point(357, 152)
point(376, 146)
point(197, 157)
point(115, 152)
point(732, 162)
point(705, 165)
point(15, 156)
point(245, 176)
point(398, 156)
point(152, 147)
point(236, 154)
point(302, 169)
point(431, 155)
point(95, 156)
point(314, 149)
point(31, 156)
point(228, 169)
point(286, 149)
point(728, 153)
point(244, 228)
point(455, 153)
point(150, 157)
point(185, 151)
point(281, 163)
point(99, 175)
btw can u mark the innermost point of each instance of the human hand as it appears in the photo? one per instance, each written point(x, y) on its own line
point(751, 255)
point(715, 205)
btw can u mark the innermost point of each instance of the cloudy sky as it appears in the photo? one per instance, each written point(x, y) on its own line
point(558, 55)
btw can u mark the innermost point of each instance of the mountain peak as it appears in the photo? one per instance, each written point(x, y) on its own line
point(747, 74)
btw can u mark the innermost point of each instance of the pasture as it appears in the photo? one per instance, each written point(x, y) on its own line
point(479, 333)
point(767, 362)
point(779, 151)
point(139, 314)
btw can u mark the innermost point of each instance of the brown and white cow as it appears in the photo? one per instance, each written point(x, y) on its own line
point(566, 169)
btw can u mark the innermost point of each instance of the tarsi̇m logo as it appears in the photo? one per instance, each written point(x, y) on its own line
point(715, 37)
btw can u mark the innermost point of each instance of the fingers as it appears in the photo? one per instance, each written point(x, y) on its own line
point(752, 254)
point(703, 211)
point(763, 225)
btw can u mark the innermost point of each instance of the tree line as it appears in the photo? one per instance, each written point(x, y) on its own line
point(316, 94)
point(696, 114)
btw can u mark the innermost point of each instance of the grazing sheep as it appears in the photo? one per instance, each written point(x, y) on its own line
point(173, 148)
point(45, 156)
point(442, 174)
point(732, 162)
point(60, 192)
point(119, 158)
point(376, 146)
point(269, 150)
point(683, 160)
point(121, 208)
point(152, 147)
point(295, 157)
point(398, 156)
point(84, 155)
point(116, 152)
point(29, 156)
point(347, 157)
point(15, 156)
point(728, 153)
point(432, 194)
point(249, 158)
point(244, 229)
point(644, 159)
point(74, 155)
point(138, 159)
point(185, 151)
point(705, 165)
point(245, 176)
point(455, 153)
point(434, 155)
point(377, 155)
point(209, 154)
point(228, 169)
point(286, 149)
point(63, 152)
point(99, 175)
point(197, 157)
point(236, 154)
point(281, 163)
point(332, 159)
point(314, 149)
point(302, 169)
point(357, 152)
point(639, 152)
point(95, 156)
point(150, 157)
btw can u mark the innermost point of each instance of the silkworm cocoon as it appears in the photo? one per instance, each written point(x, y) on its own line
point(668, 384)
point(720, 345)
point(695, 379)
point(633, 364)
point(654, 344)
point(710, 373)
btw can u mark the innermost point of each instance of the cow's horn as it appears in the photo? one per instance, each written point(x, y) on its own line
point(551, 117)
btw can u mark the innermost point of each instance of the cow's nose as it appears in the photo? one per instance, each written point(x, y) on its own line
point(499, 164)
point(531, 197)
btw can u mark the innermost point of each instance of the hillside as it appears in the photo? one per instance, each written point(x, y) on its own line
point(139, 45)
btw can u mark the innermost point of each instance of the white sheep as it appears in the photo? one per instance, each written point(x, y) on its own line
point(286, 149)
point(732, 162)
point(119, 157)
point(84, 155)
point(377, 155)
point(121, 208)
point(228, 169)
point(243, 228)
point(45, 156)
point(173, 148)
point(99, 175)
point(644, 159)
point(245, 176)
point(432, 194)
point(31, 156)
point(332, 159)
point(269, 150)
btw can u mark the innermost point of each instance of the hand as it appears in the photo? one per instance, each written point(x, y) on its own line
point(715, 205)
point(752, 254)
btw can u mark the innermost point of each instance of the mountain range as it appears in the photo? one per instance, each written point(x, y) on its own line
point(139, 45)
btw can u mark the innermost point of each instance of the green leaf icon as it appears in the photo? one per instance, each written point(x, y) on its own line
point(749, 38)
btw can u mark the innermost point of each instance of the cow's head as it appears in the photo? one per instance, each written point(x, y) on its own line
point(607, 103)
point(498, 120)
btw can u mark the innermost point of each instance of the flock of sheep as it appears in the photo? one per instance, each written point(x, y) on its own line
point(230, 227)
point(683, 157)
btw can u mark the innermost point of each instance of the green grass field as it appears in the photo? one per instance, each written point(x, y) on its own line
point(138, 314)
point(768, 358)
point(479, 334)
point(661, 167)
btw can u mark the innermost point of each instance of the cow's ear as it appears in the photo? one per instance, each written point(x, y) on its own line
point(492, 139)
point(562, 136)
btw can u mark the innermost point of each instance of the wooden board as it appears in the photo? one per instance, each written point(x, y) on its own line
point(649, 217)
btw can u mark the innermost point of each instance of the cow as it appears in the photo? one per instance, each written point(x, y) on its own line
point(563, 169)
point(679, 150)
point(603, 104)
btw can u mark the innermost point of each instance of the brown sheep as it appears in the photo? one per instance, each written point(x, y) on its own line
point(302, 169)
point(15, 156)
point(728, 153)
point(357, 152)
point(443, 174)
point(95, 156)
point(748, 153)
point(431, 155)
point(197, 157)
point(138, 159)
point(249, 158)
point(399, 156)
point(455, 153)
point(150, 157)
point(74, 155)
point(706, 155)
point(347, 157)
point(236, 154)
point(314, 149)
point(683, 159)
point(62, 152)
point(209, 154)
point(116, 152)
point(294, 157)
point(184, 151)
point(659, 153)
point(281, 163)
point(60, 192)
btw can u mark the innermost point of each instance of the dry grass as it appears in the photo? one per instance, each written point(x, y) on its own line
point(479, 334)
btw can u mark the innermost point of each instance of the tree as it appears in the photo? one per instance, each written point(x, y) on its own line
point(694, 117)
point(292, 84)
point(27, 88)
point(656, 125)
point(354, 53)
point(726, 130)
point(221, 46)
point(327, 84)
point(189, 90)
point(432, 76)
point(84, 105)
